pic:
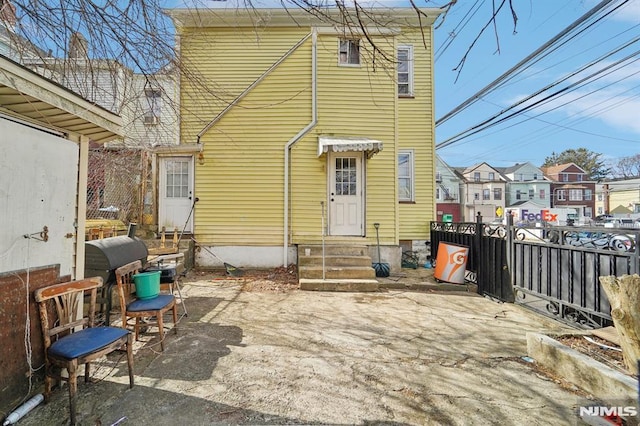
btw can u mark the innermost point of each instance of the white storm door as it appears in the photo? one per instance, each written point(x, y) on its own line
point(345, 193)
point(176, 193)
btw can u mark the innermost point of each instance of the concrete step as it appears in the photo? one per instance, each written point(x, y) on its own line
point(332, 250)
point(337, 272)
point(334, 261)
point(338, 285)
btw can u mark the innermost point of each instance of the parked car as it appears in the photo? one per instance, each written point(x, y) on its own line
point(600, 240)
point(603, 218)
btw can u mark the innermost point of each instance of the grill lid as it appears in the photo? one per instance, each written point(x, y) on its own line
point(103, 257)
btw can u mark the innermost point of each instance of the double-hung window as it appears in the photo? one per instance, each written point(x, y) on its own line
point(405, 176)
point(153, 106)
point(405, 71)
point(349, 52)
point(575, 195)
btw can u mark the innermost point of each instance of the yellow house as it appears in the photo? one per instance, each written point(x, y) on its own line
point(309, 132)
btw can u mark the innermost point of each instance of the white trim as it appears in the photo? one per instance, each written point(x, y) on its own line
point(409, 49)
point(411, 154)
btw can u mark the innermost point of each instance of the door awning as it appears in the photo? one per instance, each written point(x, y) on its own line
point(335, 144)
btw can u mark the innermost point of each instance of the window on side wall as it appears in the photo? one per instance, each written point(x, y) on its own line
point(405, 176)
point(349, 52)
point(405, 71)
point(152, 107)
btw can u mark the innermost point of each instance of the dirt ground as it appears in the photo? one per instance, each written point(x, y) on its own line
point(256, 350)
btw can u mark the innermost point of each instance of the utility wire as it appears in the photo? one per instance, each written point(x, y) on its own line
point(530, 57)
point(491, 120)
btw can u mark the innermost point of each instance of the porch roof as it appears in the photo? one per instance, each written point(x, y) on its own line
point(344, 144)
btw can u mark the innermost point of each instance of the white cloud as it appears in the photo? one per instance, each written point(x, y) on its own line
point(629, 12)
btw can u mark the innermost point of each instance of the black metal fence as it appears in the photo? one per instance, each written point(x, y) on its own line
point(487, 264)
point(553, 270)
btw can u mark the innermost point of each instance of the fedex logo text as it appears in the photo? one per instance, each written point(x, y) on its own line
point(544, 215)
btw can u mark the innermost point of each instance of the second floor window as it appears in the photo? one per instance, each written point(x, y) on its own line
point(543, 195)
point(497, 193)
point(560, 195)
point(153, 105)
point(486, 194)
point(476, 176)
point(405, 71)
point(438, 177)
point(531, 194)
point(349, 53)
point(575, 195)
point(518, 195)
point(564, 177)
point(492, 176)
point(587, 194)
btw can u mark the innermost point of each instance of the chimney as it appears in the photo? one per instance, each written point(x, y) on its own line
point(78, 46)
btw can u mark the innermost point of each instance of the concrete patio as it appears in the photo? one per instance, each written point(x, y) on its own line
point(269, 354)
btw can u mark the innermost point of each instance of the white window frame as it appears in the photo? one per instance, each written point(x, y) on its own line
point(561, 195)
point(409, 72)
point(153, 106)
point(575, 195)
point(348, 54)
point(410, 177)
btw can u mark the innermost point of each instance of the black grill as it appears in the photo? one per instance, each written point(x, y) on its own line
point(103, 257)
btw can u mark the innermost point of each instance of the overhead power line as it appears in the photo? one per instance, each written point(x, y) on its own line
point(491, 86)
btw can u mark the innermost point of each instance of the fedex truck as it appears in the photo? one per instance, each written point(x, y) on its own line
point(561, 216)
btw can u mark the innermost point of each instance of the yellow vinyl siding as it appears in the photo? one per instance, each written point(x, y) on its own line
point(415, 131)
point(240, 180)
point(221, 64)
point(352, 101)
point(240, 184)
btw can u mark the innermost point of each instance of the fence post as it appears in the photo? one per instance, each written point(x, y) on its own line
point(475, 252)
point(510, 252)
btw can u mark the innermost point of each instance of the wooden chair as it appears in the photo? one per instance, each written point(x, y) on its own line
point(131, 307)
point(71, 339)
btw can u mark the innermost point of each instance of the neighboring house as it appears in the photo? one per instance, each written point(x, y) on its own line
point(526, 182)
point(127, 174)
point(571, 188)
point(484, 192)
point(311, 130)
point(448, 186)
point(46, 131)
point(617, 194)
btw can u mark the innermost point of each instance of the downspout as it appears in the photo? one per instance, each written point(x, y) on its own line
point(295, 139)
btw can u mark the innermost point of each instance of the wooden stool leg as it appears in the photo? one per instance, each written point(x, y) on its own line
point(73, 390)
point(161, 330)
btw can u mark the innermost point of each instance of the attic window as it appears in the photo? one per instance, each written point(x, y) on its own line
point(349, 52)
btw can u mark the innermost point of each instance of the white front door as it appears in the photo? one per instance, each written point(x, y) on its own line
point(346, 193)
point(176, 193)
